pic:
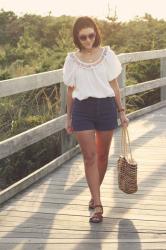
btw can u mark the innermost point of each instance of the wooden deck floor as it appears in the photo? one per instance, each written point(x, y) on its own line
point(53, 213)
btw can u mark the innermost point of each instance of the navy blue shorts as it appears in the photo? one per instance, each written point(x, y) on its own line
point(94, 113)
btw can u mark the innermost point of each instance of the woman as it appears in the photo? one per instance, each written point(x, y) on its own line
point(93, 98)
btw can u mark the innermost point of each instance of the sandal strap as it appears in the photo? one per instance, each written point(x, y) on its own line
point(96, 215)
point(101, 212)
point(98, 206)
point(91, 203)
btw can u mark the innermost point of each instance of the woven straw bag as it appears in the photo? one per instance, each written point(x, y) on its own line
point(126, 168)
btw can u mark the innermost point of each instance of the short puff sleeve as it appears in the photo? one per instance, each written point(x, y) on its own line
point(69, 69)
point(113, 65)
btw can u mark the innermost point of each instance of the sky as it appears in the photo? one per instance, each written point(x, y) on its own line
point(125, 9)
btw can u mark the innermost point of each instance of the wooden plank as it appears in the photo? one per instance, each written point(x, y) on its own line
point(36, 175)
point(92, 246)
point(26, 83)
point(122, 84)
point(145, 110)
point(147, 206)
point(141, 55)
point(163, 74)
point(85, 192)
point(111, 184)
point(144, 86)
point(144, 238)
point(104, 237)
point(31, 136)
point(108, 212)
point(81, 204)
point(63, 234)
point(59, 225)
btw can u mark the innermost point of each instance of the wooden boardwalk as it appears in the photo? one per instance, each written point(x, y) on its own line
point(53, 213)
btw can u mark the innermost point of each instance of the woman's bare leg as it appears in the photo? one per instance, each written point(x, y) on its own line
point(86, 140)
point(103, 143)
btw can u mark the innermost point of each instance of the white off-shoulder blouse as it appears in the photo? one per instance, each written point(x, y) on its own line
point(91, 79)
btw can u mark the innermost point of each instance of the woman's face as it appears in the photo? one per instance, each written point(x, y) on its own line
point(86, 37)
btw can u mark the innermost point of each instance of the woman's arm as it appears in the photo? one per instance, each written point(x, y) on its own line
point(114, 84)
point(123, 118)
point(69, 101)
point(69, 109)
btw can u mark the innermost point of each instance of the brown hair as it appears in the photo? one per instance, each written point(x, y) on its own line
point(85, 22)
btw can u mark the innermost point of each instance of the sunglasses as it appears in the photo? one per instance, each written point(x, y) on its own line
point(84, 37)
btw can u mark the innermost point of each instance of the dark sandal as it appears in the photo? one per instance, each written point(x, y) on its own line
point(91, 204)
point(97, 216)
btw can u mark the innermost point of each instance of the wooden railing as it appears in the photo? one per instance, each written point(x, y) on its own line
point(33, 135)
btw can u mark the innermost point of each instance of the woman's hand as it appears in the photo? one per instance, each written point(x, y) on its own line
point(124, 120)
point(68, 126)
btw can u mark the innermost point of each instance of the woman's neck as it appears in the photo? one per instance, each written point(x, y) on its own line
point(88, 51)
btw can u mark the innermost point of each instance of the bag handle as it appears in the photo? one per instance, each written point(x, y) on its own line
point(124, 146)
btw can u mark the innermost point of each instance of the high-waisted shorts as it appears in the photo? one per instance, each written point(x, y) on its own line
point(94, 113)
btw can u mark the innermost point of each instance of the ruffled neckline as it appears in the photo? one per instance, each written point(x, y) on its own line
point(85, 64)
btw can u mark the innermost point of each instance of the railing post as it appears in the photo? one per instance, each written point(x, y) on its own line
point(122, 83)
point(68, 141)
point(163, 74)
